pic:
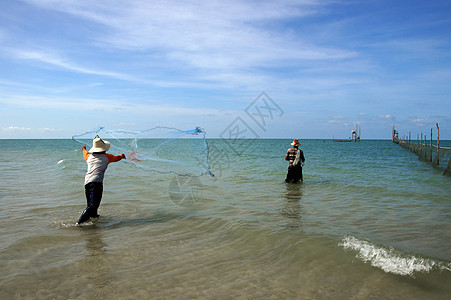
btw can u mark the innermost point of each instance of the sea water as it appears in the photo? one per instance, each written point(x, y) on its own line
point(370, 220)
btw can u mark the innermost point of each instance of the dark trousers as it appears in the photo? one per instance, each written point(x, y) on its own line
point(294, 174)
point(93, 192)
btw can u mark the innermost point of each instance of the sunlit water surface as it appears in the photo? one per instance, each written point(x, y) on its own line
point(370, 220)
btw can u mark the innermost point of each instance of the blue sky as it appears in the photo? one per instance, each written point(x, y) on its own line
point(67, 67)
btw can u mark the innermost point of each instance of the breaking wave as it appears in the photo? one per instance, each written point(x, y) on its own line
point(391, 260)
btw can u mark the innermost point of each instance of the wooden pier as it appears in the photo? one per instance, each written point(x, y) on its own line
point(424, 149)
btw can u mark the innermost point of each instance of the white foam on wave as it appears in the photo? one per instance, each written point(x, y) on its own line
point(63, 224)
point(61, 161)
point(391, 260)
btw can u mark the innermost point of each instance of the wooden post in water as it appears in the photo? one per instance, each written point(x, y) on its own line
point(438, 144)
point(437, 158)
point(425, 148)
point(410, 145)
point(431, 147)
point(418, 144)
point(421, 148)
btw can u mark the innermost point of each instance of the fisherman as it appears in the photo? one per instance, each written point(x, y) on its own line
point(97, 160)
point(296, 158)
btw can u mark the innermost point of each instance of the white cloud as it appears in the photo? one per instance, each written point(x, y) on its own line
point(16, 128)
point(203, 34)
point(49, 129)
point(105, 105)
point(422, 122)
point(52, 59)
point(214, 53)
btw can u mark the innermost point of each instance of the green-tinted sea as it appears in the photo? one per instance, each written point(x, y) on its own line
point(370, 221)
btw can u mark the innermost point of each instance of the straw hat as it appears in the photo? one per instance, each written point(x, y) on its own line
point(295, 143)
point(99, 145)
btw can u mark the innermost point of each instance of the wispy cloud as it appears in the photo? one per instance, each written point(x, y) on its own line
point(359, 62)
point(204, 34)
point(46, 57)
point(420, 122)
point(49, 58)
point(16, 128)
point(105, 105)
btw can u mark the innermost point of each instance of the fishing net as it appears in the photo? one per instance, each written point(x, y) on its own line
point(160, 149)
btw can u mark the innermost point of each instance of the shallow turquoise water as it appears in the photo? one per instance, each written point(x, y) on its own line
point(370, 220)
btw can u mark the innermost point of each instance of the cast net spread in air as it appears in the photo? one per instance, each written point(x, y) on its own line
point(160, 149)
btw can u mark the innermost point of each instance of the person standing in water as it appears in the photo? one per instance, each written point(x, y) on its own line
point(295, 156)
point(97, 160)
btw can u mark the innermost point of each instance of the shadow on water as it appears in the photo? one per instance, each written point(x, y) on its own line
point(292, 209)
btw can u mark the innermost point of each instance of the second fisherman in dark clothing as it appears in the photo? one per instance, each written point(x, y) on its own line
point(295, 156)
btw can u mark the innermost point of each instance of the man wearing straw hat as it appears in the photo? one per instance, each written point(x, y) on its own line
point(97, 160)
point(295, 156)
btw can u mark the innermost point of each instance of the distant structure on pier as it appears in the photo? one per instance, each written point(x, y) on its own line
point(355, 135)
point(394, 135)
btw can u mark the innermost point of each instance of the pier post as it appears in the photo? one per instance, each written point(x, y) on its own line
point(431, 147)
point(421, 147)
point(418, 144)
point(420, 154)
point(410, 145)
point(425, 148)
point(438, 143)
point(437, 157)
